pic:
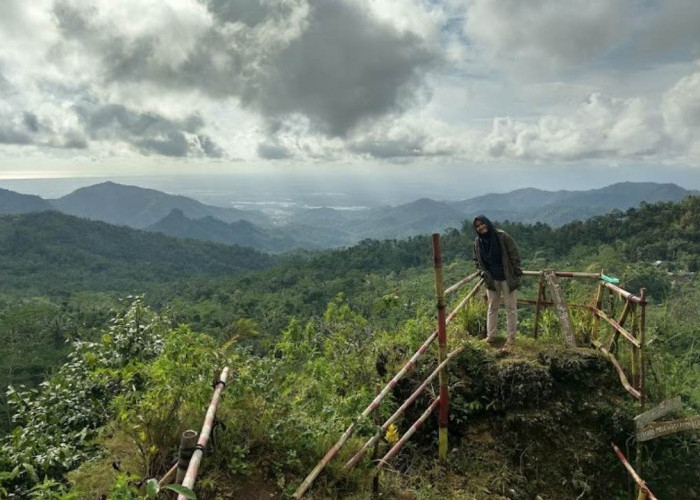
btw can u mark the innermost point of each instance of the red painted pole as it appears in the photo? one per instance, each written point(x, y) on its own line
point(442, 349)
point(640, 482)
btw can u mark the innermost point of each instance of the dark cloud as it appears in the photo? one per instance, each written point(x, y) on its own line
point(150, 132)
point(249, 12)
point(10, 135)
point(172, 144)
point(272, 150)
point(25, 128)
point(346, 67)
point(31, 121)
point(337, 67)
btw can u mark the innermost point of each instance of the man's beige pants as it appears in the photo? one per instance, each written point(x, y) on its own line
point(511, 302)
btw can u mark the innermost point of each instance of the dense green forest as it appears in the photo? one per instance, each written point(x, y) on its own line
point(126, 329)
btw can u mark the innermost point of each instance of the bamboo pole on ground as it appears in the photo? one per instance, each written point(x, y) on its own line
point(442, 349)
point(193, 468)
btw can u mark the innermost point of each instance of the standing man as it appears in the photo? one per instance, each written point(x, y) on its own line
point(497, 257)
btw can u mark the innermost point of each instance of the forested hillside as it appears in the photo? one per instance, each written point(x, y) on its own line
point(50, 253)
point(307, 337)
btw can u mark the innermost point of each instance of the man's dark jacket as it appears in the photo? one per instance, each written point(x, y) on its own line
point(510, 255)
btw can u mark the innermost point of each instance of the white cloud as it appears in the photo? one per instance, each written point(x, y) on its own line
point(681, 112)
point(602, 127)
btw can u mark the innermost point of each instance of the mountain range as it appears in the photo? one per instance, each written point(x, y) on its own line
point(326, 227)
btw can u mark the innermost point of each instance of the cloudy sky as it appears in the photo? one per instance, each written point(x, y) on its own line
point(580, 92)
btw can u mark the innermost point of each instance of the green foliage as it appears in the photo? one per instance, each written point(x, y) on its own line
point(307, 341)
point(57, 423)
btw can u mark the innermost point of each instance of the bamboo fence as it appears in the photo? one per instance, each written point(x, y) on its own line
point(634, 336)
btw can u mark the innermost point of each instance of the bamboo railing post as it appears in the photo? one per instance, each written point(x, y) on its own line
point(540, 299)
point(635, 351)
point(561, 307)
point(188, 442)
point(611, 302)
point(598, 305)
point(375, 451)
point(640, 387)
point(442, 349)
point(642, 342)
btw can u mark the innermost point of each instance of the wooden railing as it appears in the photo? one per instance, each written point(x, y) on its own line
point(632, 377)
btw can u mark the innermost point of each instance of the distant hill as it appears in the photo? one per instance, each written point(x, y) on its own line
point(244, 233)
point(528, 205)
point(16, 203)
point(419, 217)
point(557, 208)
point(208, 228)
point(326, 227)
point(139, 207)
point(49, 251)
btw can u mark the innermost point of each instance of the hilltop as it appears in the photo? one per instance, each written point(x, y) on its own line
point(140, 207)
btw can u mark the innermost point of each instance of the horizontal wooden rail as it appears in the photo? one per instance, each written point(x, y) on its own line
point(460, 284)
point(399, 444)
point(550, 304)
point(618, 327)
point(623, 378)
point(623, 293)
point(565, 274)
point(640, 482)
